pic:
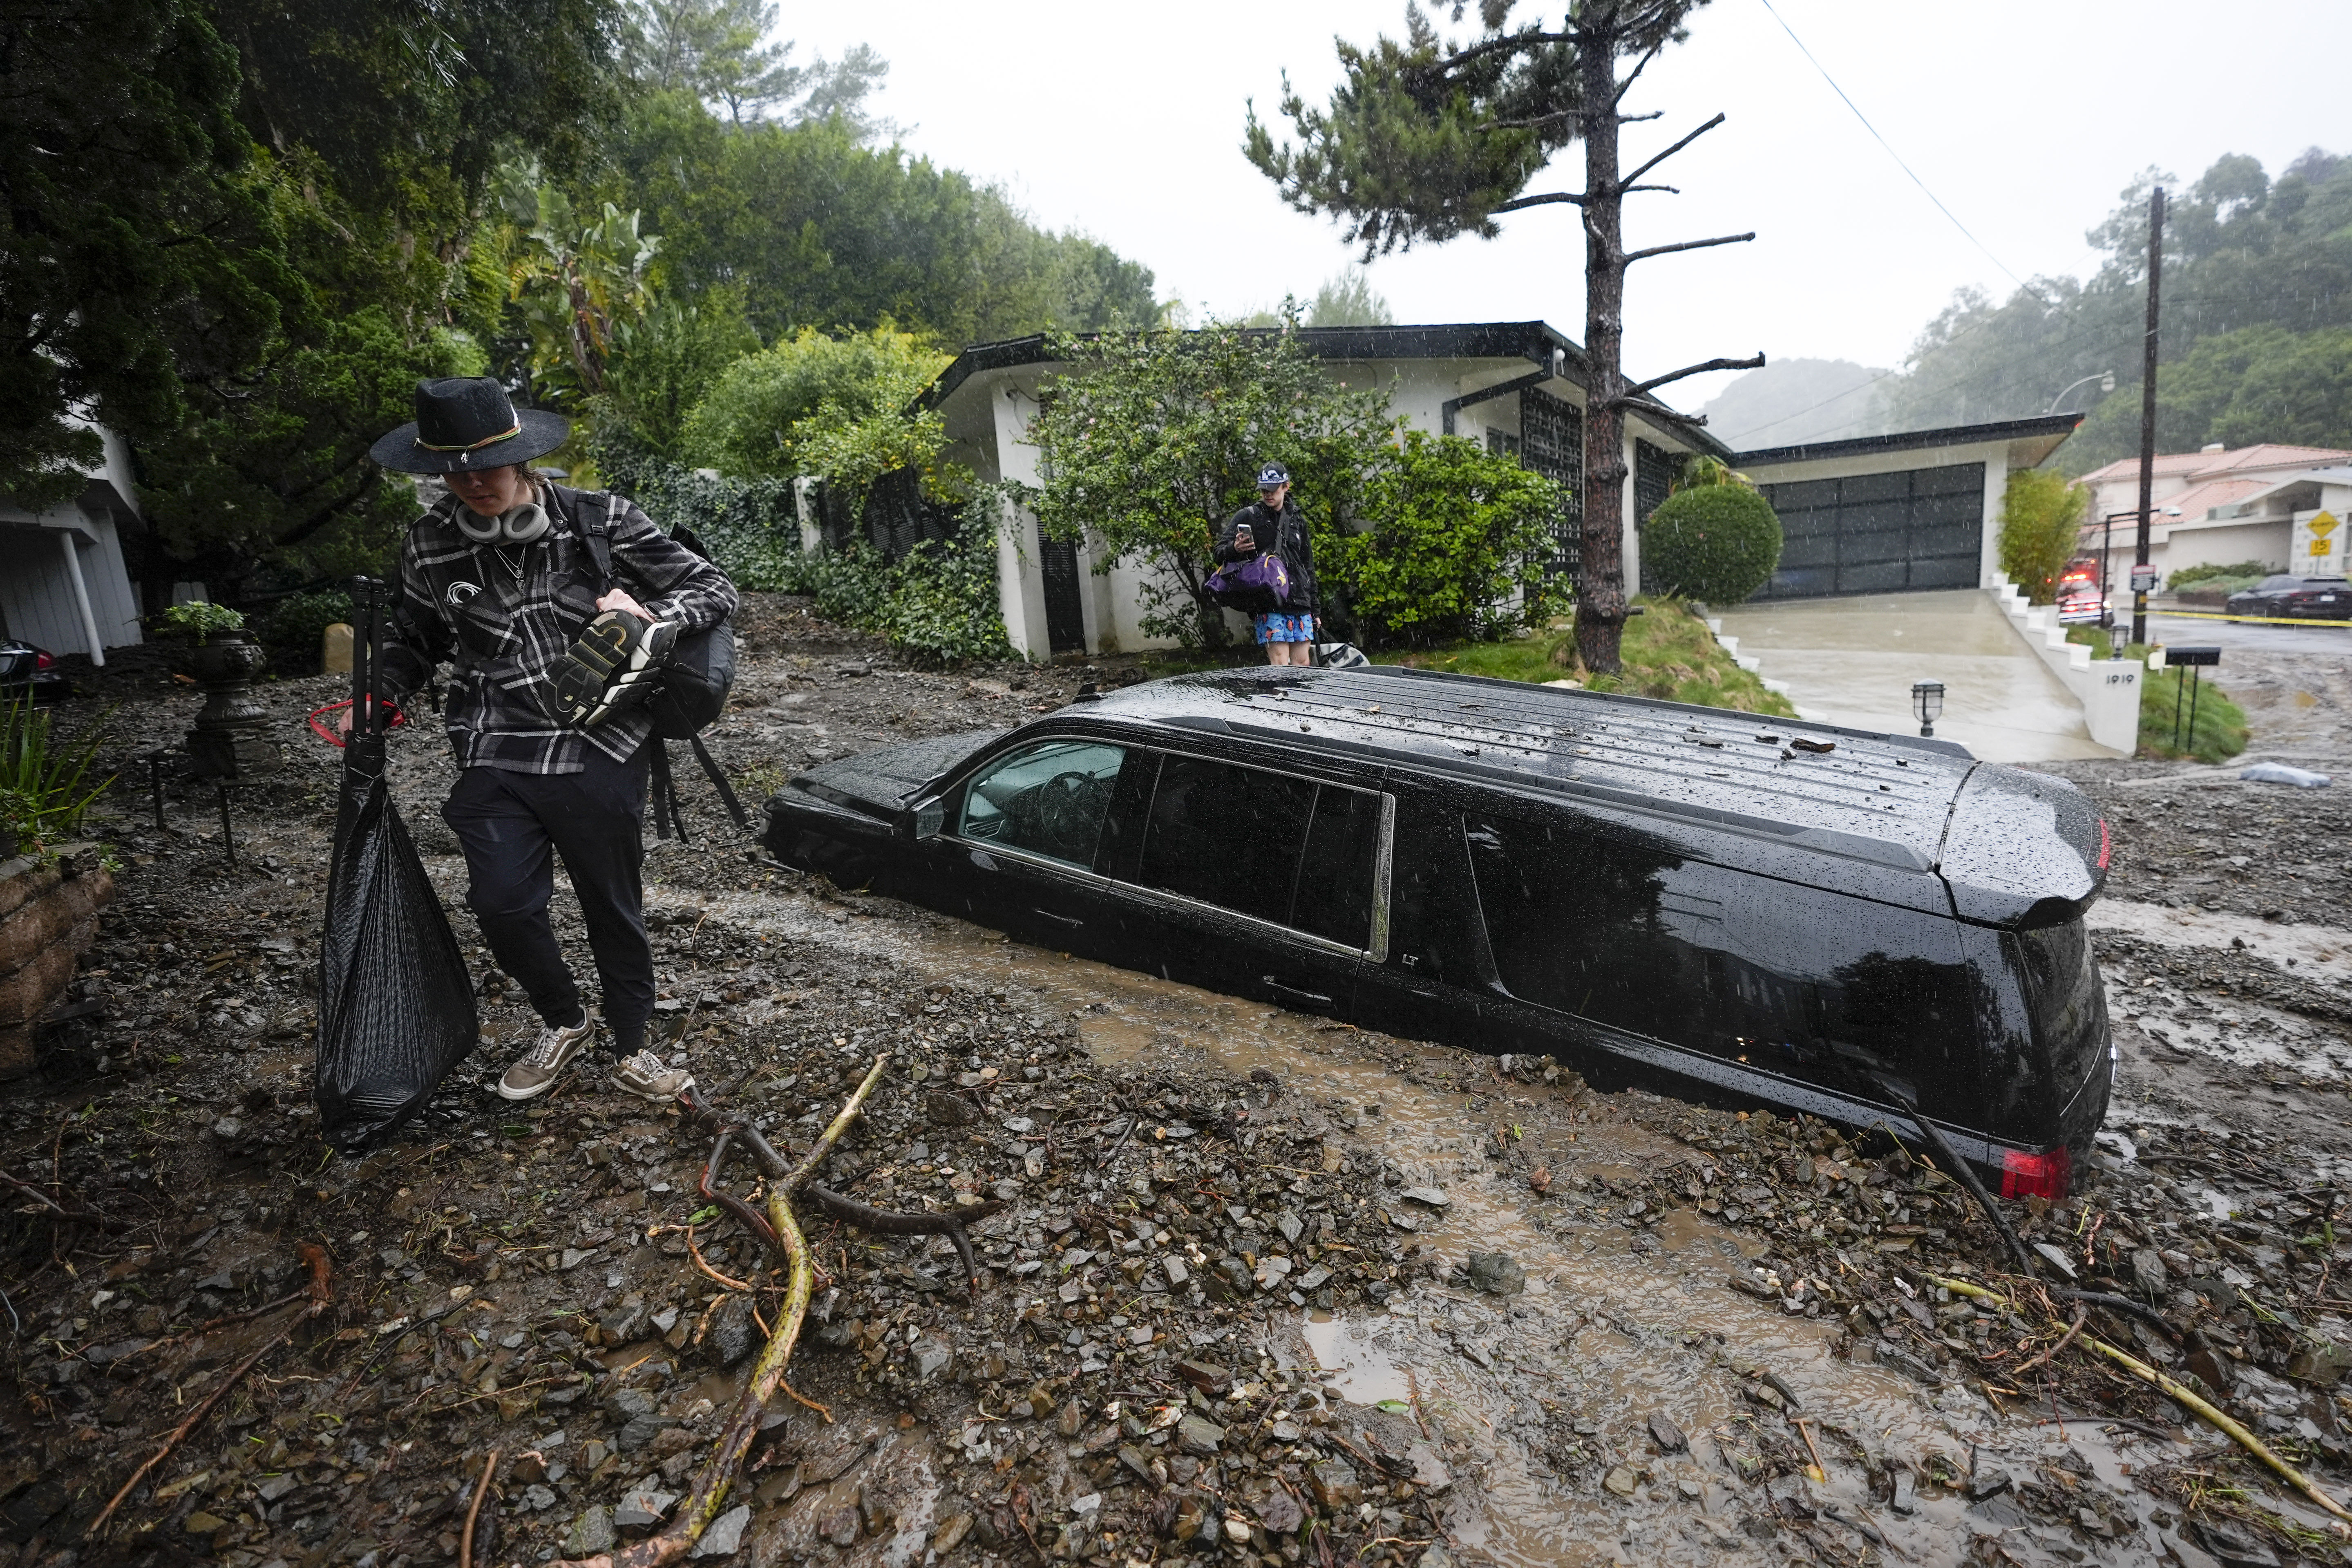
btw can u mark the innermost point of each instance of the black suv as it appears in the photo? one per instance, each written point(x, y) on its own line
point(1737, 909)
point(2301, 598)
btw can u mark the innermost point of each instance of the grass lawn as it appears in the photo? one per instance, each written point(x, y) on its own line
point(2221, 731)
point(1668, 653)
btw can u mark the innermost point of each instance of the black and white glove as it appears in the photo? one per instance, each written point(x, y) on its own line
point(614, 666)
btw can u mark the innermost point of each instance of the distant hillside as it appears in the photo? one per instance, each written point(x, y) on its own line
point(1798, 400)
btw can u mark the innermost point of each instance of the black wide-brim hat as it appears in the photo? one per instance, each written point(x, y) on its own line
point(467, 423)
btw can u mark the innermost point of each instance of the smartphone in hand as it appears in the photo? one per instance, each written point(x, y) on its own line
point(1245, 538)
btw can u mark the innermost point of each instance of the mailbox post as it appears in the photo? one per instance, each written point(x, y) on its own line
point(2195, 659)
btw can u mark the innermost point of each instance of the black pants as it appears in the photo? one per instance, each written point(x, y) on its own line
point(512, 825)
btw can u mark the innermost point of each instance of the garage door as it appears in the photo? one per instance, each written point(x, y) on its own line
point(1879, 533)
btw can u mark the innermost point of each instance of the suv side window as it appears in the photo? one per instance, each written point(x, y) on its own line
point(1620, 928)
point(1048, 799)
point(1267, 845)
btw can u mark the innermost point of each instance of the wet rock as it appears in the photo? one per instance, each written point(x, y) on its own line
point(623, 1321)
point(1073, 1418)
point(950, 1533)
point(1666, 1435)
point(1335, 1484)
point(1986, 1482)
point(1498, 1273)
point(1173, 1267)
point(1205, 1375)
point(1621, 1480)
point(592, 1533)
point(626, 1404)
point(1904, 1495)
point(1436, 1556)
point(1271, 1270)
point(1280, 1513)
point(640, 1431)
point(2233, 1550)
point(724, 1534)
point(1199, 1437)
point(2056, 1257)
point(201, 1523)
point(1433, 1198)
point(643, 1508)
point(1429, 1471)
point(2148, 1274)
point(731, 1329)
point(1187, 1519)
point(841, 1517)
point(943, 1109)
point(932, 1357)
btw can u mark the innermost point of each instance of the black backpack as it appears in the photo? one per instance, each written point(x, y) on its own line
point(695, 680)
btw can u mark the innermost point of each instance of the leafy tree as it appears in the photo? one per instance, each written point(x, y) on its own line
point(1718, 542)
point(1349, 300)
point(2258, 283)
point(575, 284)
point(1428, 139)
point(118, 158)
point(1154, 438)
point(1455, 549)
point(717, 50)
point(665, 364)
point(820, 231)
point(2041, 519)
point(837, 407)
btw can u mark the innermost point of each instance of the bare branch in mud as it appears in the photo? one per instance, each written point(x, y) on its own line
point(69, 1216)
point(322, 1296)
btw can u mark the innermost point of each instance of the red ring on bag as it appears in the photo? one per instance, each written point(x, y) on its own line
point(393, 721)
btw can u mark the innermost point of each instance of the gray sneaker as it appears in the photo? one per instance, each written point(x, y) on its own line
point(534, 1074)
point(643, 1075)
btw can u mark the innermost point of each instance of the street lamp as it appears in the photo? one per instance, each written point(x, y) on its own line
point(2106, 378)
point(1927, 701)
point(2118, 639)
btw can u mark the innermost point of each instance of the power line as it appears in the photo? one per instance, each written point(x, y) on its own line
point(1891, 152)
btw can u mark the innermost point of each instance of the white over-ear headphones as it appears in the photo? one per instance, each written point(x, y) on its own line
point(518, 526)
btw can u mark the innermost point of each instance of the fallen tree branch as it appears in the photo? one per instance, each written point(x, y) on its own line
point(2187, 1397)
point(474, 1510)
point(322, 1296)
point(77, 1215)
point(889, 1222)
point(717, 1472)
point(2082, 1316)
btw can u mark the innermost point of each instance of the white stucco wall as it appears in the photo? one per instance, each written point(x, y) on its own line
point(1020, 578)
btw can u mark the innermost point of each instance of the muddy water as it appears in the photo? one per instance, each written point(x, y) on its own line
point(1604, 1335)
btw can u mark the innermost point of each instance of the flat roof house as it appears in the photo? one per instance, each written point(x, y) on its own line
point(1913, 511)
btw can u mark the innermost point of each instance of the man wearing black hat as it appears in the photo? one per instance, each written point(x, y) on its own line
point(498, 577)
point(1274, 523)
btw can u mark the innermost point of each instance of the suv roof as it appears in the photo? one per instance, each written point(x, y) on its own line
point(1891, 790)
point(2010, 845)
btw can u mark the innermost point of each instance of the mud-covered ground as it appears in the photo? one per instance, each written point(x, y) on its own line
point(1253, 1286)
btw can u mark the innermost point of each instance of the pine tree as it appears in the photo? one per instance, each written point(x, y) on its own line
point(1427, 140)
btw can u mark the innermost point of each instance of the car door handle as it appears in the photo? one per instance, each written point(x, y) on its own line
point(1073, 922)
point(1313, 998)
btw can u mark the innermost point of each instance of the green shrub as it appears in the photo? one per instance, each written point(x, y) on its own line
point(43, 792)
point(2040, 521)
point(1454, 530)
point(1714, 543)
point(296, 628)
point(2243, 574)
point(200, 619)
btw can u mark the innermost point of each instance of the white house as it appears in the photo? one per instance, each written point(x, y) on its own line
point(2223, 506)
point(1915, 510)
point(63, 584)
point(1517, 386)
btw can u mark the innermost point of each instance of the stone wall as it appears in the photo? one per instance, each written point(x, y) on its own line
point(48, 914)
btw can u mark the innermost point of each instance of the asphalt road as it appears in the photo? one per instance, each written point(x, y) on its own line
point(2174, 629)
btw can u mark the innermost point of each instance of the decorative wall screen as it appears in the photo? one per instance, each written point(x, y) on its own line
point(1911, 531)
point(1551, 443)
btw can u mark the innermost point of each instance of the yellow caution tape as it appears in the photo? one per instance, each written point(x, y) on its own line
point(2257, 620)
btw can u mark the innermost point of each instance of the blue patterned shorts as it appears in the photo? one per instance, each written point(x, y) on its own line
point(1285, 628)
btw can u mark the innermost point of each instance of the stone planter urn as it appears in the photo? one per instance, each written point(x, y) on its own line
point(231, 737)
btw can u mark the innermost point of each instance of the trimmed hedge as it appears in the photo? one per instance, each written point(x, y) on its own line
point(1718, 543)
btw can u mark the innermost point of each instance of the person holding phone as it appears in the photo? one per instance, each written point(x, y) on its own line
point(1274, 523)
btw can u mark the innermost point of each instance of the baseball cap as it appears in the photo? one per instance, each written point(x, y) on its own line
point(1273, 474)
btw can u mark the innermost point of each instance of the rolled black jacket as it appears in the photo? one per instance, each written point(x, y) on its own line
point(1288, 535)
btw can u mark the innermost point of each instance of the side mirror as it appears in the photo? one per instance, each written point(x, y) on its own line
point(930, 820)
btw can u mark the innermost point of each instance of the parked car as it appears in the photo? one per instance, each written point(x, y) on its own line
point(2081, 598)
point(1736, 910)
point(25, 669)
point(2283, 593)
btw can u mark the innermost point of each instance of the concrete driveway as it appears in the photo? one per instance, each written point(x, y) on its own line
point(1853, 661)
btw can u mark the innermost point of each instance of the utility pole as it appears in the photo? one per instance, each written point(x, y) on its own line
point(2141, 577)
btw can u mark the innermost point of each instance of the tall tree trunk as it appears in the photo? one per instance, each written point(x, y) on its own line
point(1600, 593)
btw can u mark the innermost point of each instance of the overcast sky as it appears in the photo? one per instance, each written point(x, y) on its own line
point(2019, 114)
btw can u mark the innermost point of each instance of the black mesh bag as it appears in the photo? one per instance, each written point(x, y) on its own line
point(395, 1000)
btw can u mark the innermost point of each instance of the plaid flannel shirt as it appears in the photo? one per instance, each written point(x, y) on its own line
point(458, 601)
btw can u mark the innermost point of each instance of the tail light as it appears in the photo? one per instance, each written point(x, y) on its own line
point(42, 661)
point(2045, 1175)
